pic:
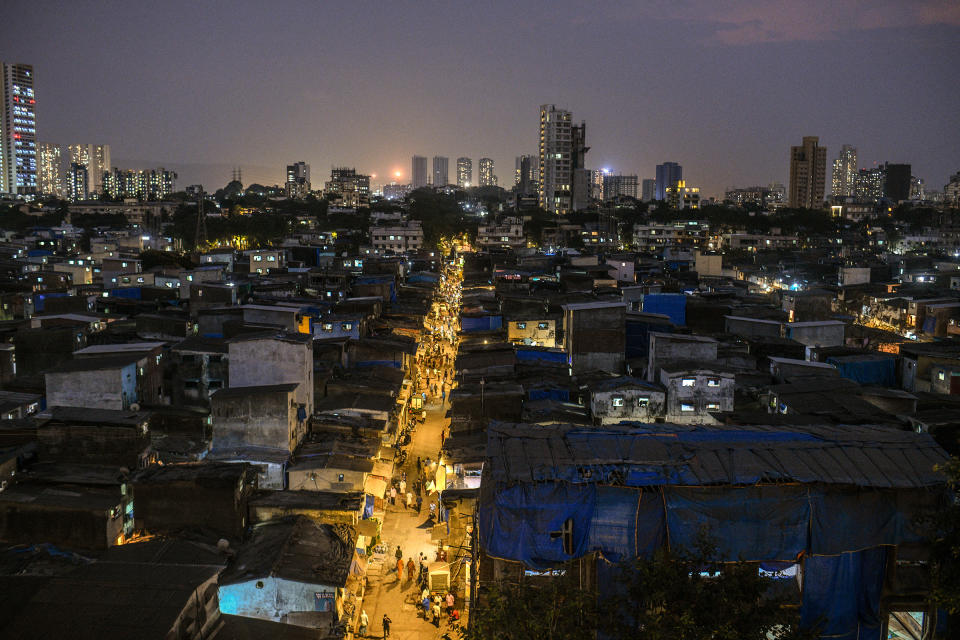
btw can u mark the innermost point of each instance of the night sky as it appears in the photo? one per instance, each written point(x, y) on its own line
point(724, 88)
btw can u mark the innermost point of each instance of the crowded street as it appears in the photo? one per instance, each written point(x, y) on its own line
point(408, 578)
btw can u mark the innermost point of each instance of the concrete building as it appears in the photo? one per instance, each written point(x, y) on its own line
point(696, 389)
point(668, 174)
point(670, 347)
point(50, 180)
point(844, 172)
point(94, 383)
point(349, 188)
point(96, 159)
point(564, 182)
point(149, 184)
point(78, 182)
point(626, 399)
point(418, 172)
point(441, 173)
point(595, 336)
point(18, 130)
point(272, 358)
point(615, 186)
point(298, 180)
point(262, 416)
point(397, 238)
point(808, 170)
point(680, 196)
point(506, 233)
point(648, 189)
point(535, 332)
point(264, 260)
point(464, 172)
point(487, 176)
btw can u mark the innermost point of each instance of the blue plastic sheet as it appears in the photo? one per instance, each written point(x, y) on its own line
point(673, 305)
point(613, 527)
point(857, 519)
point(867, 371)
point(525, 523)
point(841, 594)
point(537, 355)
point(749, 523)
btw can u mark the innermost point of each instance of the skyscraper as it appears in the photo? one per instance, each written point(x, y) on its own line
point(418, 172)
point(896, 183)
point(298, 180)
point(78, 182)
point(647, 189)
point(149, 184)
point(668, 174)
point(808, 174)
point(50, 179)
point(96, 158)
point(441, 175)
point(564, 183)
point(18, 130)
point(868, 184)
point(464, 172)
point(844, 172)
point(487, 178)
point(619, 185)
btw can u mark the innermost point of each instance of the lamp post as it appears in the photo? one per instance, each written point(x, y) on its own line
point(482, 383)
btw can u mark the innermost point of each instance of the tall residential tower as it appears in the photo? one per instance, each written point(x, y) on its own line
point(441, 173)
point(418, 172)
point(668, 175)
point(844, 172)
point(564, 184)
point(464, 172)
point(487, 178)
point(96, 159)
point(808, 173)
point(18, 131)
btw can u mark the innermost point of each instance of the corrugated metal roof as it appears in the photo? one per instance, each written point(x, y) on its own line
point(868, 456)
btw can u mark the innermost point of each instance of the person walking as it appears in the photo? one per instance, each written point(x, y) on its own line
point(450, 602)
point(403, 485)
point(409, 500)
point(410, 569)
point(386, 625)
point(398, 554)
point(443, 394)
point(419, 503)
point(399, 569)
point(393, 495)
point(435, 610)
point(364, 621)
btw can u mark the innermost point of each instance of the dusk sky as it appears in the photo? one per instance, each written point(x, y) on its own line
point(723, 87)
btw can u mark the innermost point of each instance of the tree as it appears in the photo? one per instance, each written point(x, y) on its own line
point(945, 550)
point(551, 608)
point(673, 595)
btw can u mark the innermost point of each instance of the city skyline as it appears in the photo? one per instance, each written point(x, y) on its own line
point(202, 101)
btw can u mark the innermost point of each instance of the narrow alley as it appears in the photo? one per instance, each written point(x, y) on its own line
point(399, 595)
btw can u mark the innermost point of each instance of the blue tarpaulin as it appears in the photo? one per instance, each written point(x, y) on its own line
point(533, 355)
point(470, 324)
point(638, 336)
point(130, 293)
point(561, 395)
point(861, 518)
point(672, 305)
point(842, 594)
point(867, 370)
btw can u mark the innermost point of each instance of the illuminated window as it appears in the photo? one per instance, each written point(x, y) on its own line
point(347, 326)
point(618, 401)
point(713, 382)
point(542, 325)
point(940, 375)
point(521, 325)
point(643, 402)
point(713, 406)
point(688, 382)
point(686, 407)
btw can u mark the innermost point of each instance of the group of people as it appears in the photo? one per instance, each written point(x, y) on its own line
point(435, 360)
point(406, 496)
point(432, 607)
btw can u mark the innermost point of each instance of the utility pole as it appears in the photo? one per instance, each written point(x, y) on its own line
point(200, 237)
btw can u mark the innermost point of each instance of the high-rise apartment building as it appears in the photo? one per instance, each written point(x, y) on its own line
point(668, 174)
point(298, 180)
point(844, 172)
point(441, 174)
point(78, 182)
point(615, 186)
point(564, 183)
point(351, 188)
point(896, 181)
point(648, 188)
point(464, 172)
point(487, 177)
point(150, 184)
point(527, 174)
point(808, 174)
point(96, 158)
point(18, 131)
point(50, 180)
point(868, 184)
point(418, 172)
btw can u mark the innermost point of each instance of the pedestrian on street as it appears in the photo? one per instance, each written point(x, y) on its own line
point(398, 554)
point(436, 615)
point(450, 602)
point(399, 569)
point(364, 621)
point(419, 503)
point(393, 495)
point(410, 569)
point(443, 395)
point(425, 603)
point(409, 500)
point(386, 625)
point(403, 485)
